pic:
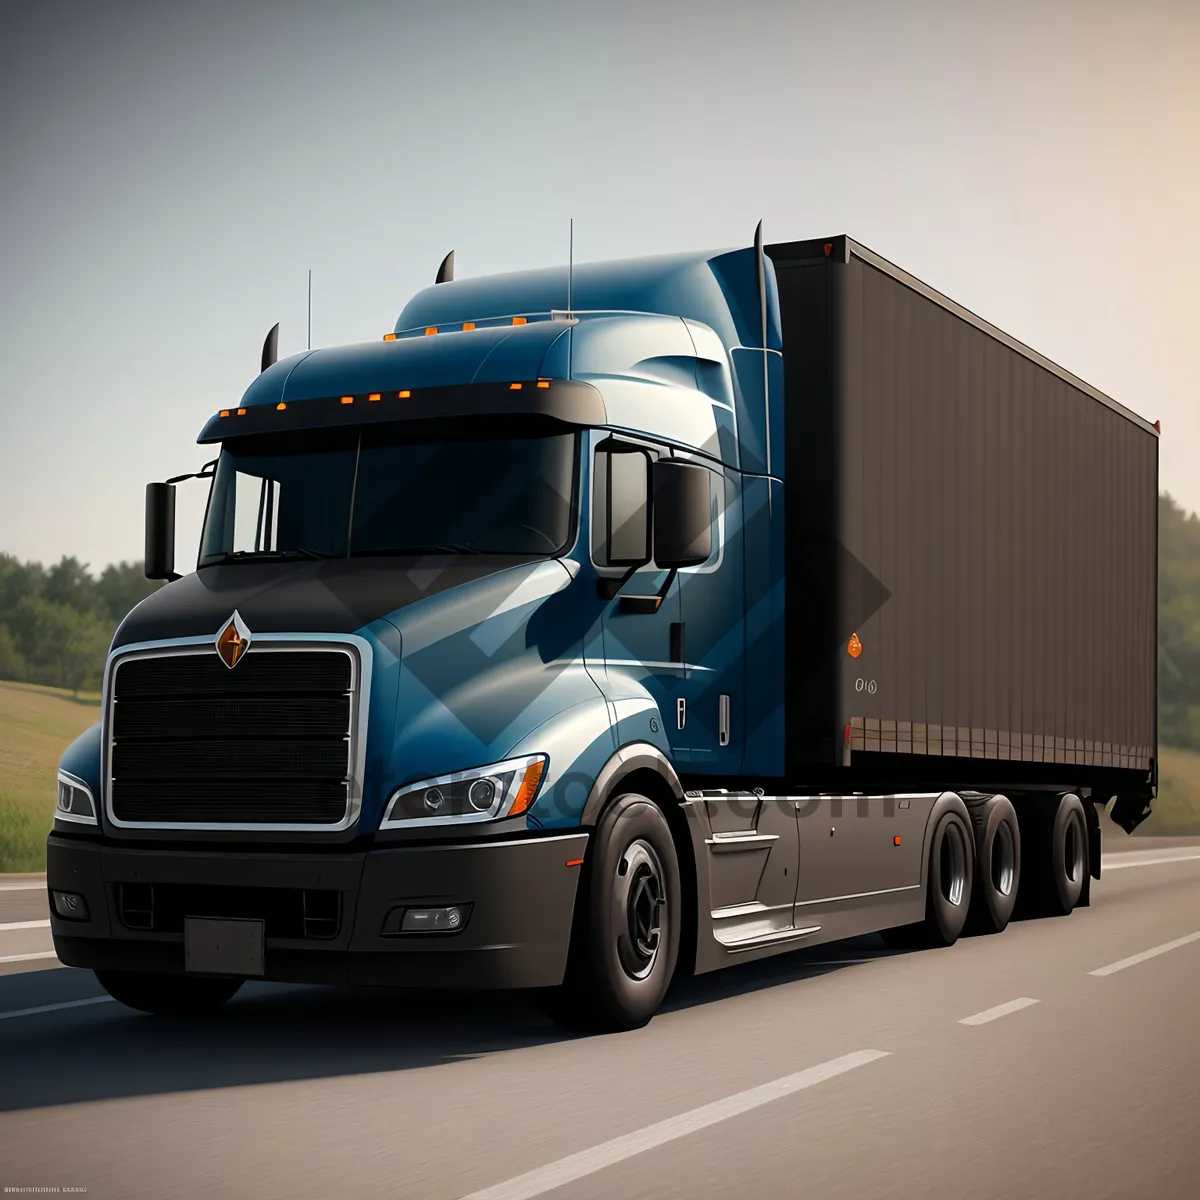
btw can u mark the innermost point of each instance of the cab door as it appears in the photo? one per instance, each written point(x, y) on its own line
point(712, 610)
point(640, 617)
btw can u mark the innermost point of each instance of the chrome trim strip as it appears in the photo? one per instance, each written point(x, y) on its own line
point(769, 939)
point(912, 887)
point(723, 843)
point(356, 648)
point(749, 908)
point(74, 781)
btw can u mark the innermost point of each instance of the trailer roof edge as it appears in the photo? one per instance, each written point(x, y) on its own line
point(869, 256)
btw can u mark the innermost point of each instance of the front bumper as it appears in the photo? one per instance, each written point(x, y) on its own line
point(521, 895)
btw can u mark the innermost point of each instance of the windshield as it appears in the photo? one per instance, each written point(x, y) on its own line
point(349, 492)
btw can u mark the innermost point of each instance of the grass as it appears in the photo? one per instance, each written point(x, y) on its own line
point(38, 723)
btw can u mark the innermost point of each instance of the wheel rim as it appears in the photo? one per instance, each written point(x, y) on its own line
point(953, 865)
point(641, 902)
point(1073, 851)
point(1004, 859)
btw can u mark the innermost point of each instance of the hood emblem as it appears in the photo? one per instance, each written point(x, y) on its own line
point(233, 640)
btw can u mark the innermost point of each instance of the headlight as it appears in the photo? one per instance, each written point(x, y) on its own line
point(75, 801)
point(504, 789)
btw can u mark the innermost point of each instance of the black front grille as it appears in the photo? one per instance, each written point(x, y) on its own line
point(266, 743)
point(286, 912)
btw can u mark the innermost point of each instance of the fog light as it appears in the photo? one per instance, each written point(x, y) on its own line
point(432, 920)
point(70, 906)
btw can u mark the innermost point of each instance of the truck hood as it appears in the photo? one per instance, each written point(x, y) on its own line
point(334, 596)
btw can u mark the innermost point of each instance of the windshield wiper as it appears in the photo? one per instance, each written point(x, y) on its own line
point(290, 552)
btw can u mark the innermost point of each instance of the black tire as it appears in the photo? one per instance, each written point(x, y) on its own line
point(1056, 855)
point(950, 875)
point(625, 939)
point(997, 864)
point(167, 995)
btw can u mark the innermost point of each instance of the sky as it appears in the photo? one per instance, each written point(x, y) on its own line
point(170, 173)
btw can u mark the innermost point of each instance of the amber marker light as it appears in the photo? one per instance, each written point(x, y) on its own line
point(855, 648)
point(224, 412)
point(389, 337)
point(374, 397)
point(347, 399)
point(241, 412)
point(519, 321)
point(468, 326)
point(514, 387)
point(528, 788)
point(574, 862)
point(404, 395)
point(896, 840)
point(280, 406)
point(828, 249)
point(543, 383)
point(430, 330)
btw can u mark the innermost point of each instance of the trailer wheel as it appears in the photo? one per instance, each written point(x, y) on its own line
point(997, 863)
point(625, 938)
point(948, 890)
point(167, 995)
point(1056, 843)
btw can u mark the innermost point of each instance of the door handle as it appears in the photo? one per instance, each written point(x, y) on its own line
point(723, 719)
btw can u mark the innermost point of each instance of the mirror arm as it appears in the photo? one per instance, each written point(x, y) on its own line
point(649, 604)
point(607, 587)
point(206, 472)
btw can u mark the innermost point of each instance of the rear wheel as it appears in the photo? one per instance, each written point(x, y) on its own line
point(948, 891)
point(997, 863)
point(627, 922)
point(1056, 843)
point(167, 994)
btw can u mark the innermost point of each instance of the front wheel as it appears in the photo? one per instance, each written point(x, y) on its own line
point(167, 995)
point(627, 922)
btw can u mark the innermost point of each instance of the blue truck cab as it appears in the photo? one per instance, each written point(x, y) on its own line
point(480, 679)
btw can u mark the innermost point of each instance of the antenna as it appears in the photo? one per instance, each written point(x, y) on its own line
point(310, 309)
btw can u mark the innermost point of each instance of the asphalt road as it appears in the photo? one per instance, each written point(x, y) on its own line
point(1057, 1060)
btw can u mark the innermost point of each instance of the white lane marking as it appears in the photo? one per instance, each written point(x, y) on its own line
point(1154, 952)
point(1141, 858)
point(26, 925)
point(23, 887)
point(1001, 1010)
point(587, 1162)
point(44, 1008)
point(7, 958)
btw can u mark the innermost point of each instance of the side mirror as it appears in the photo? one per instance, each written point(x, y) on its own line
point(682, 516)
point(160, 531)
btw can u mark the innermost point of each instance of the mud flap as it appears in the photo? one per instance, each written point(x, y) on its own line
point(1130, 809)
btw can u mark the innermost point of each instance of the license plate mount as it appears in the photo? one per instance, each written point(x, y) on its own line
point(222, 947)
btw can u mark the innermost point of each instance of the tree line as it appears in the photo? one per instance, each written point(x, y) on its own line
point(56, 622)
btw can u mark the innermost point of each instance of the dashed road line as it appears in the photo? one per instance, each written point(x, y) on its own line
point(1153, 952)
point(607, 1154)
point(45, 1008)
point(1001, 1010)
point(1146, 858)
point(25, 925)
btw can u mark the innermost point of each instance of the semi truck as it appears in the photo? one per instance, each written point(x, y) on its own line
point(606, 623)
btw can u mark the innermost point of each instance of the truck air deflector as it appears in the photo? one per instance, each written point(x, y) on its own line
point(556, 401)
